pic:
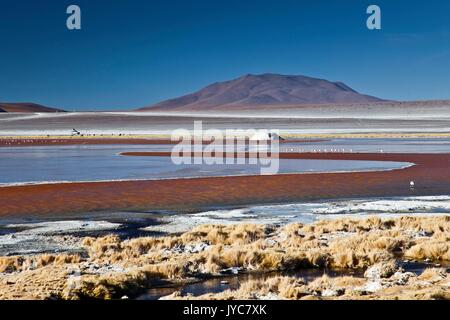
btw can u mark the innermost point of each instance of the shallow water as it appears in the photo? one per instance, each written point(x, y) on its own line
point(98, 163)
point(233, 282)
point(220, 284)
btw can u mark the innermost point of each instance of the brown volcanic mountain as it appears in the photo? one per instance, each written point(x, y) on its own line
point(26, 107)
point(265, 90)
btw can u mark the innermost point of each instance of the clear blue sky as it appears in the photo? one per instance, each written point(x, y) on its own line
point(133, 53)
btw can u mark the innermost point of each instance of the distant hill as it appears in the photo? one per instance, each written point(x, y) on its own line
point(265, 90)
point(26, 107)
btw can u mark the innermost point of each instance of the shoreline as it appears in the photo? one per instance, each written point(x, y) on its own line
point(154, 139)
point(40, 183)
point(26, 141)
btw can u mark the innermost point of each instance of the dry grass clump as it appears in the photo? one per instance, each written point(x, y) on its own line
point(433, 250)
point(433, 274)
point(113, 267)
point(281, 287)
point(265, 260)
point(43, 283)
point(362, 250)
point(108, 286)
point(239, 234)
point(336, 286)
point(99, 247)
point(20, 263)
point(362, 242)
point(11, 264)
point(431, 225)
point(349, 225)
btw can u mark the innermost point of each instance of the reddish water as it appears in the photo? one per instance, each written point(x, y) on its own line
point(431, 175)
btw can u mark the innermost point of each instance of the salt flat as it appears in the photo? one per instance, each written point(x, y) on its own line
point(378, 118)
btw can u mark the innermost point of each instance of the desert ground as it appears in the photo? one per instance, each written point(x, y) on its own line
point(421, 118)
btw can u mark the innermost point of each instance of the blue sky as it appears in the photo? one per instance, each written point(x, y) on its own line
point(133, 53)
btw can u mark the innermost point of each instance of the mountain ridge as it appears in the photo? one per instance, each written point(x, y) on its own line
point(25, 107)
point(267, 89)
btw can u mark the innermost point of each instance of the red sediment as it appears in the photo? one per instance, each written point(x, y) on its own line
point(431, 174)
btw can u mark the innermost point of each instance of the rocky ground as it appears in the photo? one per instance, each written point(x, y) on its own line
point(108, 267)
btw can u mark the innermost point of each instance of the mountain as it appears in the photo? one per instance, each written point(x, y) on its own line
point(265, 90)
point(26, 107)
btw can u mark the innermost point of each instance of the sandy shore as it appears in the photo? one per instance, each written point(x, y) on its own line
point(314, 121)
point(111, 268)
point(28, 141)
point(431, 175)
point(38, 140)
